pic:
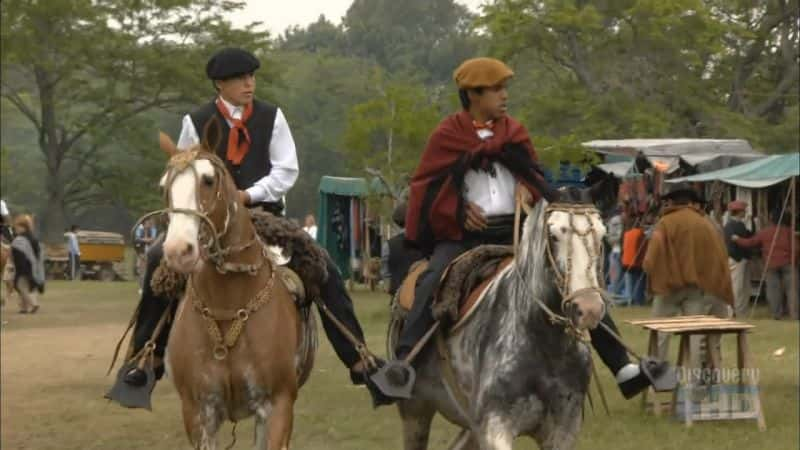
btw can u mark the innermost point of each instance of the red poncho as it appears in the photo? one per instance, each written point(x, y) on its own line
point(435, 203)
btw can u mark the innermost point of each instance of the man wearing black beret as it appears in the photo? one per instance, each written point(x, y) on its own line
point(258, 150)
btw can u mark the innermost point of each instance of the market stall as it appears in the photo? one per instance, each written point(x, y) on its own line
point(768, 184)
point(348, 229)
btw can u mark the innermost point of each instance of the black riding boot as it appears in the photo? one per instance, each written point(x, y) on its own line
point(631, 378)
point(151, 309)
point(338, 302)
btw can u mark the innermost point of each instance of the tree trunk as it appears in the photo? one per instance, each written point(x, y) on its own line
point(52, 223)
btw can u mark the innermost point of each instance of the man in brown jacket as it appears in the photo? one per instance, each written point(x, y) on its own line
point(687, 264)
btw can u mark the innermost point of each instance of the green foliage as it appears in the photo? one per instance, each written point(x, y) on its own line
point(319, 36)
point(388, 132)
point(85, 84)
point(647, 68)
point(82, 72)
point(316, 91)
point(427, 38)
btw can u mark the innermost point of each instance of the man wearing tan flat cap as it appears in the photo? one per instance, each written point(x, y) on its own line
point(462, 195)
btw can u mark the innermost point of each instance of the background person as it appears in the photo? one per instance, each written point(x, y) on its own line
point(687, 266)
point(633, 251)
point(28, 258)
point(74, 250)
point(778, 258)
point(738, 257)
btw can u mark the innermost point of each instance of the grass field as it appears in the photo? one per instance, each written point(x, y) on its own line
point(53, 380)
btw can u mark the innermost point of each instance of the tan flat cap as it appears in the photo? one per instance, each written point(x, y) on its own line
point(481, 72)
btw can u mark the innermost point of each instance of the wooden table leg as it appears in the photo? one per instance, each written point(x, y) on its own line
point(685, 358)
point(714, 357)
point(745, 364)
point(652, 351)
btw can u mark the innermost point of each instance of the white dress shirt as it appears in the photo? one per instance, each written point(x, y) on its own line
point(3, 208)
point(493, 194)
point(312, 231)
point(282, 156)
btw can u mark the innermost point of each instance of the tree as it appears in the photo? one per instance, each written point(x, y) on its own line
point(637, 68)
point(319, 36)
point(428, 38)
point(388, 133)
point(315, 93)
point(83, 72)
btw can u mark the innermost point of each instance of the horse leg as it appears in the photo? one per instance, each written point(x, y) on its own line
point(562, 432)
point(416, 417)
point(201, 425)
point(260, 429)
point(496, 435)
point(280, 421)
point(464, 441)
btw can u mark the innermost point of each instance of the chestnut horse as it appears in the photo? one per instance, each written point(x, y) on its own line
point(233, 348)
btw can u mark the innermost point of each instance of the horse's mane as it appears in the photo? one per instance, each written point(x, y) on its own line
point(531, 261)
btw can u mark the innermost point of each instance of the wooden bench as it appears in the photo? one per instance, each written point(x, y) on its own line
point(685, 327)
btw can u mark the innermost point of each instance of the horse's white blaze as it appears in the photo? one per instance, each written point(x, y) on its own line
point(584, 265)
point(183, 195)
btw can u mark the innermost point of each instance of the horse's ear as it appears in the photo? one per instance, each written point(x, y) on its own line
point(212, 131)
point(166, 144)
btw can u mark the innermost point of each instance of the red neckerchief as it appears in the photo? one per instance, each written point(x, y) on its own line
point(489, 125)
point(236, 150)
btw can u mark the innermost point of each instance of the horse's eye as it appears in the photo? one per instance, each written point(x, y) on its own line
point(208, 180)
point(564, 230)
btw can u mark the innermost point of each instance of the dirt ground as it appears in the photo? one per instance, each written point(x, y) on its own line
point(53, 380)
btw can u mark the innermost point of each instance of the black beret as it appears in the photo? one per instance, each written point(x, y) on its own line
point(681, 189)
point(231, 62)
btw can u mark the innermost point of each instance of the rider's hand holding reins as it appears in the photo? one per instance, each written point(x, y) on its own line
point(475, 219)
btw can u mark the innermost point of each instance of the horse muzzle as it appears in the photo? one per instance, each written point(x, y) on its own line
point(586, 309)
point(181, 256)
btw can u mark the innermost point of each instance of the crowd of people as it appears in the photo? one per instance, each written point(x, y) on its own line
point(640, 270)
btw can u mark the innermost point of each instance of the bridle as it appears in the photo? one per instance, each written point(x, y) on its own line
point(594, 250)
point(213, 250)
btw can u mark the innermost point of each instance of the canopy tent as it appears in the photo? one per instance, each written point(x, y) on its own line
point(756, 174)
point(618, 169)
point(350, 187)
point(342, 228)
point(702, 154)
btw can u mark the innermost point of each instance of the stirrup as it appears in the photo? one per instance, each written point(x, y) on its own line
point(660, 373)
point(131, 396)
point(385, 380)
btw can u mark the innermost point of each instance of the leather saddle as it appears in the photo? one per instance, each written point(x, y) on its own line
point(463, 282)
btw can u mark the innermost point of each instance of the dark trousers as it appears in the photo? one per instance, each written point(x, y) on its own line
point(334, 295)
point(420, 319)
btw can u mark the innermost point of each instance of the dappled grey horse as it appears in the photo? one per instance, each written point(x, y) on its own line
point(518, 366)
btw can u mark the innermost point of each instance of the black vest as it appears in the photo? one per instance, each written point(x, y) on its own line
point(256, 163)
